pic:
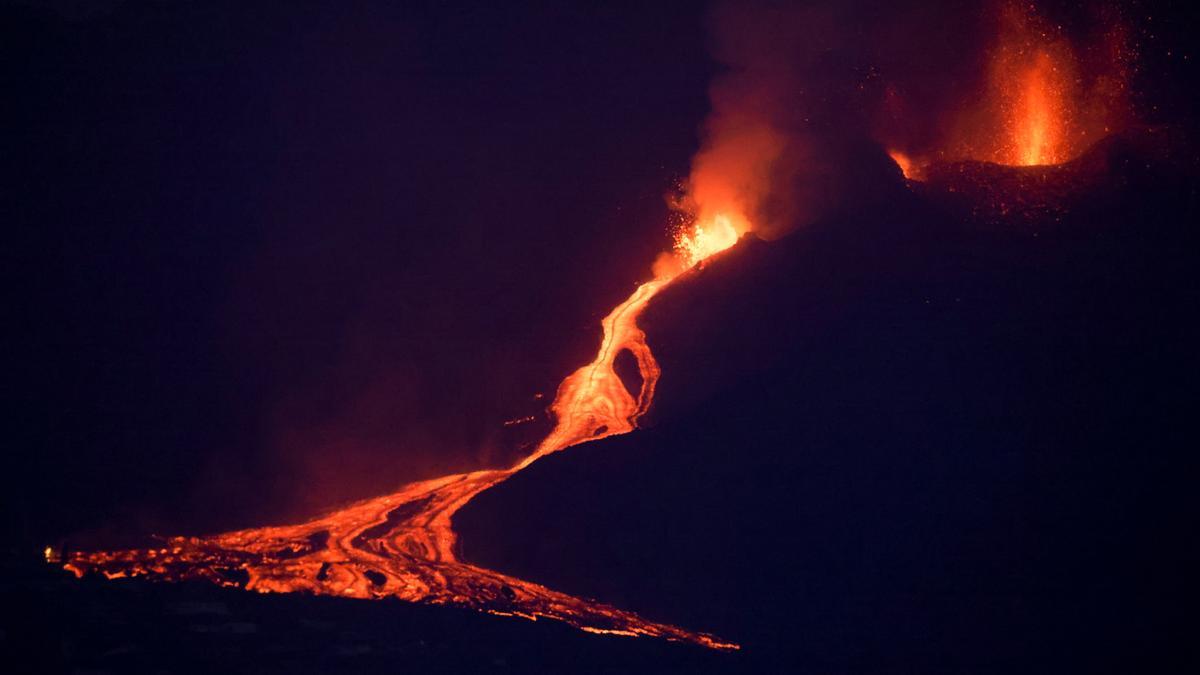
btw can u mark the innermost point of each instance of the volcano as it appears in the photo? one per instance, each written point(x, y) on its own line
point(381, 315)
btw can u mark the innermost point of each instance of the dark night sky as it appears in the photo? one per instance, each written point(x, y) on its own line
point(273, 259)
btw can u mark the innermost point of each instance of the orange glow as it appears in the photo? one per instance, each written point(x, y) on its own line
point(1032, 97)
point(732, 176)
point(908, 167)
point(1045, 100)
point(1044, 104)
point(403, 545)
point(1038, 124)
point(705, 239)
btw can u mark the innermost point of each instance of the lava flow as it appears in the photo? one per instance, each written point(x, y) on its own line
point(402, 545)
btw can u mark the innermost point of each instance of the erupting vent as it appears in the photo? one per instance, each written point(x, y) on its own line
point(1044, 103)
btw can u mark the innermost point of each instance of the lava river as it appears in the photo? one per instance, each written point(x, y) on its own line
point(402, 544)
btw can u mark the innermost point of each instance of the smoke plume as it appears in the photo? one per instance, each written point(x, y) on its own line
point(808, 97)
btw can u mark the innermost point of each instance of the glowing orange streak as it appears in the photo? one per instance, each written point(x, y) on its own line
point(592, 402)
point(1037, 127)
point(908, 166)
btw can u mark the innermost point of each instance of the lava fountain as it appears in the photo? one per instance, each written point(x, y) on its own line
point(1031, 99)
point(403, 545)
point(1046, 99)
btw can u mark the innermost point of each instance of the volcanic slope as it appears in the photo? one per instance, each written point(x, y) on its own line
point(900, 437)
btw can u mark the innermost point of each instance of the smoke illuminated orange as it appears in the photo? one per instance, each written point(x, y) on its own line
point(403, 545)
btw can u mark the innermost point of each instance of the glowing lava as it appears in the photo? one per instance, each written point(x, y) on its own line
point(1039, 126)
point(706, 238)
point(402, 545)
point(1033, 105)
point(1046, 100)
point(908, 166)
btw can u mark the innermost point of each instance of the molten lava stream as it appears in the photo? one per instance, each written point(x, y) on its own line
point(402, 545)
